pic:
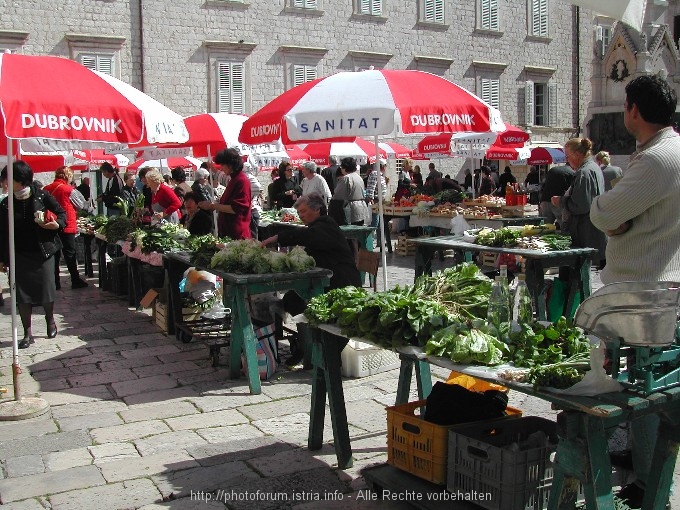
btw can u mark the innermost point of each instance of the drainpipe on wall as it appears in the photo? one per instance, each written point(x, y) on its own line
point(578, 70)
point(141, 43)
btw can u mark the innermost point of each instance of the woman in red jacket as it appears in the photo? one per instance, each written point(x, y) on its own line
point(233, 219)
point(165, 203)
point(61, 189)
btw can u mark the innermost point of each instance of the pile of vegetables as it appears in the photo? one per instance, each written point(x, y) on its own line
point(249, 257)
point(391, 319)
point(117, 228)
point(286, 215)
point(162, 238)
point(470, 344)
point(203, 248)
point(541, 238)
point(463, 289)
point(449, 195)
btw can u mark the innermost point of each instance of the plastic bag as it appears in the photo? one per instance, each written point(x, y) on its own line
point(596, 380)
point(459, 225)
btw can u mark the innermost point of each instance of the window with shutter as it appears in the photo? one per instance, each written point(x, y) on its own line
point(230, 87)
point(101, 63)
point(491, 91)
point(302, 74)
point(552, 105)
point(539, 18)
point(306, 4)
point(540, 104)
point(529, 103)
point(489, 14)
point(433, 11)
point(370, 7)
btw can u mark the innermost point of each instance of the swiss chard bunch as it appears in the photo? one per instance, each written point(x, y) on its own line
point(535, 344)
point(470, 345)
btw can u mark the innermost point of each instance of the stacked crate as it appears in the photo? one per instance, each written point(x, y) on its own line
point(405, 246)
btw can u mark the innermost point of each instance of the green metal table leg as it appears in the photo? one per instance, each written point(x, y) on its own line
point(423, 379)
point(598, 486)
point(405, 374)
point(243, 340)
point(318, 405)
point(663, 464)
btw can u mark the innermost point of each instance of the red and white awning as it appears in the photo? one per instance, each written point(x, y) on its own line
point(395, 150)
point(165, 165)
point(209, 133)
point(546, 156)
point(362, 150)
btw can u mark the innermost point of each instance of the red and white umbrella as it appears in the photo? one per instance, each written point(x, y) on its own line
point(395, 150)
point(363, 150)
point(211, 132)
point(296, 155)
point(508, 153)
point(442, 143)
point(47, 161)
point(98, 156)
point(166, 164)
point(546, 156)
point(370, 103)
point(62, 101)
point(58, 103)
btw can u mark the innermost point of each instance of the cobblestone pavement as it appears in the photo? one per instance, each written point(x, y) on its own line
point(139, 420)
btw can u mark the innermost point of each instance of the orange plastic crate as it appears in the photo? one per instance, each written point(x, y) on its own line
point(420, 447)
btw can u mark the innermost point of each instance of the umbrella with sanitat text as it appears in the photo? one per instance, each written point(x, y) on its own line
point(370, 103)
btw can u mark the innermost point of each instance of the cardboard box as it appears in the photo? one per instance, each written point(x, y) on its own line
point(152, 295)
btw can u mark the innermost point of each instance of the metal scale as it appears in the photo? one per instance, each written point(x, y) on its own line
point(639, 323)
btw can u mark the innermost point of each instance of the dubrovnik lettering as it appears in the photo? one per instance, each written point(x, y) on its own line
point(75, 123)
point(446, 119)
point(513, 139)
point(433, 147)
point(340, 124)
point(265, 130)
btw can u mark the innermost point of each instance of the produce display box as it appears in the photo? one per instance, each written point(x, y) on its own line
point(361, 360)
point(160, 315)
point(405, 246)
point(520, 211)
point(481, 459)
point(420, 447)
point(487, 259)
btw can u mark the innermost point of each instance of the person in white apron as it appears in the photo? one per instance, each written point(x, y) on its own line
point(165, 203)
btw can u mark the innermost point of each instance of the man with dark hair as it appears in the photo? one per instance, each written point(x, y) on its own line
point(642, 217)
point(113, 189)
point(84, 187)
point(330, 173)
point(557, 182)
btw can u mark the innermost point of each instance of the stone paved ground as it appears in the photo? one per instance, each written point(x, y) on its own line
point(139, 420)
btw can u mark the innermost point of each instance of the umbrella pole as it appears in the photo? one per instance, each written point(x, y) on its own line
point(20, 408)
point(16, 367)
point(212, 183)
point(381, 216)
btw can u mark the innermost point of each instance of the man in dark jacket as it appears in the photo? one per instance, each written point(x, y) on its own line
point(557, 182)
point(326, 244)
point(330, 173)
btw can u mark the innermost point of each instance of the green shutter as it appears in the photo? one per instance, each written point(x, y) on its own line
point(230, 87)
point(529, 103)
point(434, 11)
point(489, 14)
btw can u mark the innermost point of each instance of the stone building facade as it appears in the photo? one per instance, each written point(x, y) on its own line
point(531, 58)
point(620, 54)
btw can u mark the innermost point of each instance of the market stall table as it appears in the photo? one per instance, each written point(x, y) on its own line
point(445, 221)
point(583, 426)
point(536, 262)
point(236, 289)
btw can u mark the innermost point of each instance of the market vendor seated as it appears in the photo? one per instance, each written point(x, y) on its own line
point(325, 243)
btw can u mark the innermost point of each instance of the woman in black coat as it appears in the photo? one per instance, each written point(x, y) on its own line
point(37, 219)
point(285, 190)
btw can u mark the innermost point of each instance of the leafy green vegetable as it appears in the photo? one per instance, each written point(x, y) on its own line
point(553, 376)
point(249, 257)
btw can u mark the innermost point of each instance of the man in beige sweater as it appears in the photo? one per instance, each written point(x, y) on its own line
point(642, 217)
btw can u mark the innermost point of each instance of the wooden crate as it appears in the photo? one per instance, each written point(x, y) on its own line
point(161, 311)
point(487, 258)
point(404, 246)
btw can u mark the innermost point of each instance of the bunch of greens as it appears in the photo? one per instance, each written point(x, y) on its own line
point(249, 257)
point(557, 242)
point(561, 342)
point(464, 344)
point(449, 195)
point(99, 221)
point(499, 237)
point(393, 318)
point(463, 289)
point(553, 376)
point(319, 308)
point(203, 248)
point(117, 228)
